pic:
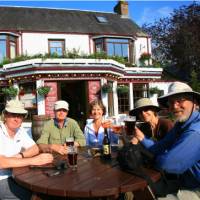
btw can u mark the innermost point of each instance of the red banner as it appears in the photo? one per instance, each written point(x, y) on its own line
point(93, 90)
point(51, 98)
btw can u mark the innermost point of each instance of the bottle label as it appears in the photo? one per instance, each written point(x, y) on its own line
point(106, 149)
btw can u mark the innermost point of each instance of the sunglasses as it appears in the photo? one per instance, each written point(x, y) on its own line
point(16, 115)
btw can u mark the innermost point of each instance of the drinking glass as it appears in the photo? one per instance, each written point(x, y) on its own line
point(130, 125)
point(70, 144)
point(72, 158)
point(106, 122)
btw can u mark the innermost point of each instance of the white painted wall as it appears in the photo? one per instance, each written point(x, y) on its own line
point(35, 43)
point(141, 47)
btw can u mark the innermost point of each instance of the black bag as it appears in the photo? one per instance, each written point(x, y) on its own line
point(132, 158)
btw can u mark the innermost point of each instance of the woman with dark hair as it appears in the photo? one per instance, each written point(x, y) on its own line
point(94, 131)
point(154, 127)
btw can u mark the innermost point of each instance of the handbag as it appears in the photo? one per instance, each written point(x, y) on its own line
point(133, 158)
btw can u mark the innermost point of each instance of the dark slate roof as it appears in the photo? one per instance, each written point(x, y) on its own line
point(68, 21)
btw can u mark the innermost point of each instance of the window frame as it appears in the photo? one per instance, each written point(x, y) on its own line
point(9, 41)
point(104, 42)
point(57, 40)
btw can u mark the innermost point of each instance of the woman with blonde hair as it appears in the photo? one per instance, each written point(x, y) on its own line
point(94, 131)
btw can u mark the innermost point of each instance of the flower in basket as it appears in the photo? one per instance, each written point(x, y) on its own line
point(10, 91)
point(43, 90)
point(145, 56)
point(106, 88)
point(122, 89)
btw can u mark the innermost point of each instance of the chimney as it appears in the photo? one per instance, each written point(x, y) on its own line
point(122, 8)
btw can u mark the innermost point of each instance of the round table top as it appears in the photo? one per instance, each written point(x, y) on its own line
point(94, 177)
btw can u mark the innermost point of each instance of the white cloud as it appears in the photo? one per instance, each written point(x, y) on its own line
point(149, 15)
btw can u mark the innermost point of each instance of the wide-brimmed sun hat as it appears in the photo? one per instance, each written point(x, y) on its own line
point(15, 106)
point(177, 88)
point(61, 105)
point(143, 103)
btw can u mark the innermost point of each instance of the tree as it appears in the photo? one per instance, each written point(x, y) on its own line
point(176, 39)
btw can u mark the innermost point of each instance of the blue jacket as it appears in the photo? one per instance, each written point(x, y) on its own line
point(179, 151)
point(93, 140)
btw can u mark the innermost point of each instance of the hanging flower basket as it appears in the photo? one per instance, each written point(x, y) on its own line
point(155, 90)
point(43, 90)
point(145, 56)
point(106, 88)
point(122, 89)
point(10, 91)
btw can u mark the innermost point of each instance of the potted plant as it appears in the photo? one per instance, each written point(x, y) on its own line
point(122, 89)
point(145, 56)
point(155, 90)
point(10, 91)
point(43, 90)
point(106, 88)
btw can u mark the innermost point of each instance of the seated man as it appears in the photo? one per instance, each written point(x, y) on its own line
point(17, 149)
point(56, 131)
point(178, 153)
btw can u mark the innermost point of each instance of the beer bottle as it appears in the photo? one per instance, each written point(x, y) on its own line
point(106, 145)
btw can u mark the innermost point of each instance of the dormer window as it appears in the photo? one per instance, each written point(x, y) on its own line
point(8, 46)
point(102, 19)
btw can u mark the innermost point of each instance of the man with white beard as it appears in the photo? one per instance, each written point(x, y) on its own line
point(179, 152)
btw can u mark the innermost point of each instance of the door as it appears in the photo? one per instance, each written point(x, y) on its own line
point(74, 92)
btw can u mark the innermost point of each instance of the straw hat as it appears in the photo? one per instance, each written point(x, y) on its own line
point(15, 106)
point(61, 105)
point(178, 88)
point(143, 103)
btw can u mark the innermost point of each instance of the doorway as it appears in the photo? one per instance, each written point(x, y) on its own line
point(74, 92)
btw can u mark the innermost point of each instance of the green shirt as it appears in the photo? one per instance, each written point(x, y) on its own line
point(51, 134)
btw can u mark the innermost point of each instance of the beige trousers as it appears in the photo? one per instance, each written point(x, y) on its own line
point(183, 195)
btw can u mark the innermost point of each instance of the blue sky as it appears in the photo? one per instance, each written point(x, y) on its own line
point(140, 11)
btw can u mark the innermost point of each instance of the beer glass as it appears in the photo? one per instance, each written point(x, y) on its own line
point(130, 125)
point(72, 158)
point(70, 144)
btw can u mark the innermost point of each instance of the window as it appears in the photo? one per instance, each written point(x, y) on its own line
point(57, 47)
point(8, 46)
point(113, 47)
point(140, 91)
point(123, 102)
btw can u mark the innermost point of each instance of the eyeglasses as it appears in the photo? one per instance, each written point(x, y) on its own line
point(178, 99)
point(61, 110)
point(16, 115)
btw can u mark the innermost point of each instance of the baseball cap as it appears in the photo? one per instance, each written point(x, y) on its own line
point(61, 105)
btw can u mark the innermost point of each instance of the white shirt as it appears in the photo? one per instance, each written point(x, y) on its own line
point(12, 146)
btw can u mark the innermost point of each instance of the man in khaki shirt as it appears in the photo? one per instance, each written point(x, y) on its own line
point(56, 131)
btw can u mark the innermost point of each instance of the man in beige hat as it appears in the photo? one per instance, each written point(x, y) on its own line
point(17, 149)
point(179, 152)
point(57, 130)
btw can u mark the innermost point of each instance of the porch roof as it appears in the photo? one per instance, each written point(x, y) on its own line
point(77, 68)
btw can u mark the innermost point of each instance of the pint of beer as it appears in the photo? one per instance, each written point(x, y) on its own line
point(130, 125)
